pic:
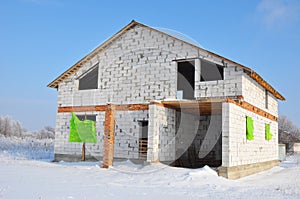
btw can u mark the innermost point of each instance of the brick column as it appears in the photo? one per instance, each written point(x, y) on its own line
point(109, 136)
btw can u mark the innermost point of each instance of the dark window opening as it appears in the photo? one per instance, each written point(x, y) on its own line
point(87, 117)
point(143, 129)
point(90, 80)
point(186, 79)
point(210, 71)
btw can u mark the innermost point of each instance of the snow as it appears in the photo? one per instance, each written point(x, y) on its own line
point(27, 147)
point(28, 177)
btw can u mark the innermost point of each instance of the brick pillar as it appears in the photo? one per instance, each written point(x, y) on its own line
point(109, 136)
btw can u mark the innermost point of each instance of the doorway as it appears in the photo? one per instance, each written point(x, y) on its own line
point(143, 139)
point(185, 80)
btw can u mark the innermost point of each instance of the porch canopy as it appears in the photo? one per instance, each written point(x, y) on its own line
point(202, 107)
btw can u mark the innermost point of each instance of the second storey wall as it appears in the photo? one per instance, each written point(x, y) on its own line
point(255, 94)
point(140, 67)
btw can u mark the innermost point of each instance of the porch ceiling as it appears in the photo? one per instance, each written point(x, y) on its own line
point(202, 107)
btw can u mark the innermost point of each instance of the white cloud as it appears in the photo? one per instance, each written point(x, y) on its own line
point(278, 13)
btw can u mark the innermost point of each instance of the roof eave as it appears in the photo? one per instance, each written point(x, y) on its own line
point(75, 67)
point(266, 85)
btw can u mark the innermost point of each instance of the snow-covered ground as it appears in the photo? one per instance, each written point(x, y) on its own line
point(27, 178)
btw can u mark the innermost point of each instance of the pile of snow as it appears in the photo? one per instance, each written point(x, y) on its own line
point(27, 147)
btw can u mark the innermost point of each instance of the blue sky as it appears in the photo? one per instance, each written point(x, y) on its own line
point(40, 39)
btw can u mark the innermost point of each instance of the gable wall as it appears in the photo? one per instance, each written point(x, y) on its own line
point(139, 67)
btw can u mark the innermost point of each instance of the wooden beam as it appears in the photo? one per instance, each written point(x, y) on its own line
point(102, 108)
point(68, 109)
point(109, 136)
point(54, 83)
point(132, 107)
point(254, 109)
point(265, 85)
point(200, 107)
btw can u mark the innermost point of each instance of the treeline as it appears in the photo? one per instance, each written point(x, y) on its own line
point(286, 126)
point(12, 128)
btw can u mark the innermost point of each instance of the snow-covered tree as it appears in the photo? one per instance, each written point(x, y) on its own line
point(17, 129)
point(46, 132)
point(287, 126)
point(2, 125)
point(8, 131)
point(9, 127)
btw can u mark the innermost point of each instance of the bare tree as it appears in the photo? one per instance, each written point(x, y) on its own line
point(286, 125)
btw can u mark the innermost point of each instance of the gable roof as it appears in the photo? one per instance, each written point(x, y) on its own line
point(77, 66)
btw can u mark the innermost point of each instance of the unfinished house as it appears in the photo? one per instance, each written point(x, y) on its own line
point(158, 98)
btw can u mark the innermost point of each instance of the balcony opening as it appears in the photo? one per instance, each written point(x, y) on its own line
point(210, 71)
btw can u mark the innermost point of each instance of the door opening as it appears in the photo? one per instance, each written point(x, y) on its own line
point(143, 139)
point(185, 80)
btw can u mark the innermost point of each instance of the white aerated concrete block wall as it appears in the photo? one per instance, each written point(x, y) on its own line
point(63, 146)
point(137, 68)
point(161, 134)
point(255, 94)
point(127, 133)
point(229, 87)
point(167, 135)
point(236, 149)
